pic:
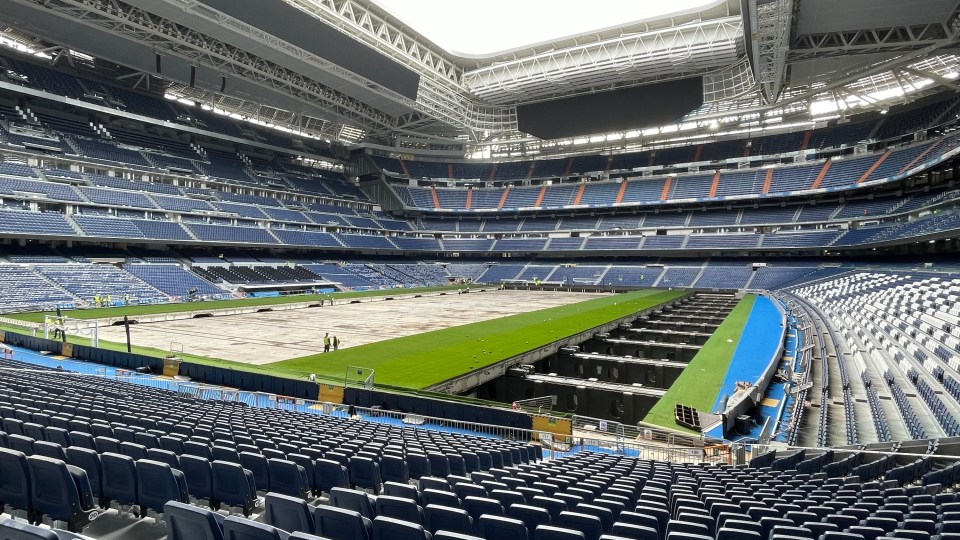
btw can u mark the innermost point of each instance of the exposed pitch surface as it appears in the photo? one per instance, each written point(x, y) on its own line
point(261, 338)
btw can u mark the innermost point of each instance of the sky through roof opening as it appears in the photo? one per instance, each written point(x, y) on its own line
point(485, 27)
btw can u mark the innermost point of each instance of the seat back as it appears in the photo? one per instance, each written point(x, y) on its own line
point(50, 450)
point(387, 528)
point(502, 528)
point(549, 532)
point(59, 492)
point(17, 530)
point(530, 515)
point(341, 524)
point(287, 513)
point(352, 499)
point(477, 506)
point(445, 518)
point(400, 508)
point(199, 475)
point(591, 526)
point(237, 528)
point(15, 490)
point(365, 473)
point(233, 485)
point(89, 461)
point(288, 478)
point(394, 469)
point(186, 522)
point(118, 478)
point(157, 483)
point(257, 464)
point(330, 474)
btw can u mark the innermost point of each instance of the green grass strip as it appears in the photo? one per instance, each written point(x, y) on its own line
point(426, 359)
point(150, 309)
point(700, 382)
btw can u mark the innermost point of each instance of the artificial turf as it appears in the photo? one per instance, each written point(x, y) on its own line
point(149, 309)
point(423, 360)
point(700, 382)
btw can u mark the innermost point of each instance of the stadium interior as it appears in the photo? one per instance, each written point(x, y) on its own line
point(692, 276)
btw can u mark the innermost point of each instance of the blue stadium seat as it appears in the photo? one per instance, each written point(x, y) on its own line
point(157, 483)
point(439, 498)
point(233, 485)
point(445, 518)
point(532, 516)
point(164, 456)
point(17, 530)
point(308, 467)
point(502, 528)
point(448, 535)
point(288, 478)
point(238, 528)
point(61, 492)
point(365, 473)
point(199, 475)
point(549, 532)
point(330, 474)
point(57, 435)
point(118, 479)
point(591, 526)
point(385, 528)
point(50, 450)
point(352, 499)
point(418, 466)
point(186, 522)
point(394, 469)
point(89, 461)
point(399, 508)
point(20, 443)
point(15, 493)
point(257, 464)
point(403, 490)
point(477, 506)
point(640, 532)
point(341, 524)
point(287, 513)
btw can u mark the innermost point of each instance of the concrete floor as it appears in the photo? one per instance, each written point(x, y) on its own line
point(261, 338)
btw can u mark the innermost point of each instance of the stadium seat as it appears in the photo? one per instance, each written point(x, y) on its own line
point(365, 473)
point(157, 484)
point(403, 490)
point(399, 508)
point(502, 528)
point(288, 513)
point(288, 478)
point(238, 528)
point(50, 450)
point(439, 498)
point(445, 518)
point(17, 530)
point(257, 464)
point(591, 526)
point(639, 532)
point(187, 522)
point(61, 492)
point(530, 515)
point(341, 524)
point(352, 499)
point(15, 490)
point(118, 479)
point(549, 532)
point(386, 528)
point(233, 485)
point(394, 469)
point(330, 474)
